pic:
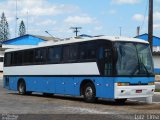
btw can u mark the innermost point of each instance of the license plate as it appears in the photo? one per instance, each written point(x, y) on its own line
point(138, 91)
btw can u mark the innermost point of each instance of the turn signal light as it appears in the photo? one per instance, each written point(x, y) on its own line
point(151, 83)
point(123, 84)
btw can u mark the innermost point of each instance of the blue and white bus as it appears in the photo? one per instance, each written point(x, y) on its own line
point(97, 67)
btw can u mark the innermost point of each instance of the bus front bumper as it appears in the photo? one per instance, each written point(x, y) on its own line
point(121, 92)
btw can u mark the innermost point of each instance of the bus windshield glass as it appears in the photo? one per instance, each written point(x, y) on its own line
point(133, 59)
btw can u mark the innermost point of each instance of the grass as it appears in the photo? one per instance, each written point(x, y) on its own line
point(157, 90)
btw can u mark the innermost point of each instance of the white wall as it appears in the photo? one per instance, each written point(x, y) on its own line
point(156, 60)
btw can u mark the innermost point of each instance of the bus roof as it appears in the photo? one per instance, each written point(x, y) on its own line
point(75, 40)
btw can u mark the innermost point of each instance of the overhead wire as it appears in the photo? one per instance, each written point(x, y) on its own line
point(146, 8)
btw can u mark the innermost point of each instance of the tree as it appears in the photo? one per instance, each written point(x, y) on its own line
point(4, 28)
point(22, 29)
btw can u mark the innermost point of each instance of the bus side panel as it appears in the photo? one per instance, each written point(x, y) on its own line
point(40, 84)
point(69, 85)
point(12, 83)
point(104, 87)
point(57, 85)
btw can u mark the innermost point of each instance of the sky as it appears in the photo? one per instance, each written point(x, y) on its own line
point(96, 17)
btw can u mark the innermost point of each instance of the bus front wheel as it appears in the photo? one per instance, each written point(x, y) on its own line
point(22, 88)
point(89, 92)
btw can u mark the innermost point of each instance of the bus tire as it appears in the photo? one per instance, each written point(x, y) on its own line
point(89, 92)
point(121, 101)
point(22, 87)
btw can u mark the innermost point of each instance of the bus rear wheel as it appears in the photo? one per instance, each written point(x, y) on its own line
point(22, 88)
point(89, 93)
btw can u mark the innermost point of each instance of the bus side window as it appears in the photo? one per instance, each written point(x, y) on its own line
point(105, 59)
point(108, 62)
point(66, 51)
point(7, 61)
point(88, 51)
point(73, 52)
point(17, 59)
point(1, 59)
point(28, 57)
point(40, 55)
point(54, 54)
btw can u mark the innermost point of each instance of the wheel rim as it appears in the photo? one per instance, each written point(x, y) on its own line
point(89, 92)
point(21, 88)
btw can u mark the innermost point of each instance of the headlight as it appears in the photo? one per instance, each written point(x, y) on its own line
point(122, 84)
point(151, 83)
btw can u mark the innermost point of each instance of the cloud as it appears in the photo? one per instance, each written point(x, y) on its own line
point(44, 8)
point(40, 13)
point(112, 12)
point(156, 26)
point(35, 8)
point(46, 23)
point(138, 17)
point(79, 20)
point(125, 1)
point(156, 16)
point(98, 28)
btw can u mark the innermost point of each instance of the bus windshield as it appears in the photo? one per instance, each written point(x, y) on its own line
point(133, 59)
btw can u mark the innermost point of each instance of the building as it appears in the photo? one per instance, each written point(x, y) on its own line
point(26, 40)
point(156, 50)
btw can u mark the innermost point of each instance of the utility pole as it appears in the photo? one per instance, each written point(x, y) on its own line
point(150, 24)
point(76, 30)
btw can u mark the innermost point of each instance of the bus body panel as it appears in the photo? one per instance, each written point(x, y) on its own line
point(134, 80)
point(138, 87)
point(89, 68)
point(62, 85)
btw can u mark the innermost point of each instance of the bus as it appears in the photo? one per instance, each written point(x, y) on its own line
point(97, 67)
point(1, 62)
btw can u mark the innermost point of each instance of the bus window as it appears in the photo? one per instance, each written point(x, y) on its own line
point(54, 54)
point(73, 52)
point(1, 59)
point(66, 50)
point(7, 61)
point(105, 59)
point(70, 53)
point(17, 58)
point(88, 51)
point(28, 57)
point(40, 55)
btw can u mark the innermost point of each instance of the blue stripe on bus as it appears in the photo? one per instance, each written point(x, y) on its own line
point(71, 85)
point(134, 80)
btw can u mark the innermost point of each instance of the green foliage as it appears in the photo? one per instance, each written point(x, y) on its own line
point(22, 29)
point(4, 28)
point(157, 90)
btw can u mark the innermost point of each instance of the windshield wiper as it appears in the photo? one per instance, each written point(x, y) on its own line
point(148, 73)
